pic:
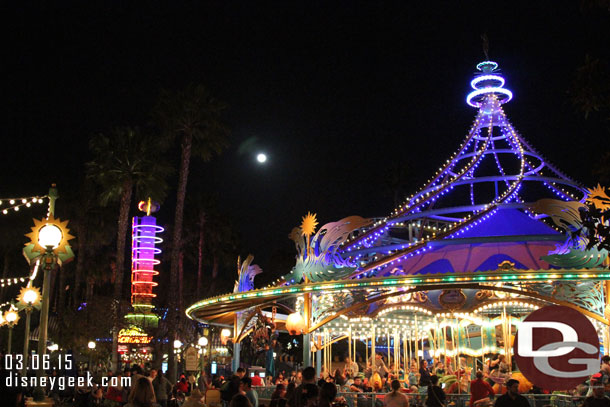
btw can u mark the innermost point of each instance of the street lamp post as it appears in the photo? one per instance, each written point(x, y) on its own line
point(11, 317)
point(177, 346)
point(48, 248)
point(28, 299)
point(50, 262)
point(91, 345)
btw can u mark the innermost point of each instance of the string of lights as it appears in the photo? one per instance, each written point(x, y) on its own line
point(15, 204)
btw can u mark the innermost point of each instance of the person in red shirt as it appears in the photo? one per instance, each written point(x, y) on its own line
point(256, 379)
point(479, 389)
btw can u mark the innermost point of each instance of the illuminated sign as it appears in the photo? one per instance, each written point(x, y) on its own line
point(133, 335)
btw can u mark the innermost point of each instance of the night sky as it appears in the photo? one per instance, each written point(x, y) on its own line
point(340, 95)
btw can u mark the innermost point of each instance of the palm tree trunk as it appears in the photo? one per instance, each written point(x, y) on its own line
point(80, 267)
point(185, 160)
point(212, 288)
point(200, 253)
point(120, 266)
point(89, 290)
point(181, 283)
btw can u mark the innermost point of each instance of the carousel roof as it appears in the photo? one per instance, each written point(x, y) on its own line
point(472, 224)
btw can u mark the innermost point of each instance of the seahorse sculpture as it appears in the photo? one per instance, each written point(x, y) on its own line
point(321, 260)
point(245, 274)
point(576, 251)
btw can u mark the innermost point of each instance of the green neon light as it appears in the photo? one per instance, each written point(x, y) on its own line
point(491, 277)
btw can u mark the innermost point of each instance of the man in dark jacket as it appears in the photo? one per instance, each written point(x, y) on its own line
point(231, 388)
point(512, 398)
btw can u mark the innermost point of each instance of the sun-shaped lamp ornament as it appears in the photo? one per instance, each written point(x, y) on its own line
point(29, 297)
point(49, 237)
point(11, 317)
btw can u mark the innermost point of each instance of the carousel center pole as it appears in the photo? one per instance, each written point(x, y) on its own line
point(236, 346)
point(306, 333)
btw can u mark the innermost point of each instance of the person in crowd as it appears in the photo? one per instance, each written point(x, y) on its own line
point(239, 400)
point(598, 398)
point(605, 372)
point(351, 368)
point(339, 380)
point(268, 381)
point(439, 369)
point(480, 389)
point(290, 391)
point(142, 394)
point(182, 386)
point(357, 386)
point(512, 398)
point(136, 373)
point(116, 393)
point(162, 388)
point(96, 397)
point(231, 387)
point(328, 393)
point(436, 395)
point(310, 395)
point(395, 398)
point(152, 374)
point(246, 388)
point(299, 378)
point(424, 374)
point(203, 382)
point(256, 379)
point(194, 400)
point(378, 365)
point(297, 399)
point(412, 377)
point(278, 398)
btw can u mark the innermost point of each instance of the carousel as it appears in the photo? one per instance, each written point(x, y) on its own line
point(447, 277)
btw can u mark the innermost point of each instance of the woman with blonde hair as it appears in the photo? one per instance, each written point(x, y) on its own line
point(142, 394)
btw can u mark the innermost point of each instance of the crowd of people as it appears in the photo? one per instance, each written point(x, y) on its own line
point(372, 385)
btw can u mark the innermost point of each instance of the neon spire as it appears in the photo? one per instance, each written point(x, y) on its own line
point(488, 82)
point(493, 168)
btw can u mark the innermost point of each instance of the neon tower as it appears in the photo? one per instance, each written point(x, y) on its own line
point(494, 169)
point(143, 251)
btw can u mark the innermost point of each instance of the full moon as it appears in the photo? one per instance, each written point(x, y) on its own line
point(261, 158)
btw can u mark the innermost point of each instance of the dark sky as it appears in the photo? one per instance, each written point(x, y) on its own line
point(338, 94)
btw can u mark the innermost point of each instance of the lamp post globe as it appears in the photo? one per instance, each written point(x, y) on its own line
point(177, 344)
point(49, 235)
point(203, 341)
point(91, 345)
point(11, 316)
point(30, 296)
point(225, 332)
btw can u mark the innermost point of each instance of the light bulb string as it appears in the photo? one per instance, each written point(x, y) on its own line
point(15, 204)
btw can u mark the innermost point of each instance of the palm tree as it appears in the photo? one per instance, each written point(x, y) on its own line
point(125, 162)
point(193, 118)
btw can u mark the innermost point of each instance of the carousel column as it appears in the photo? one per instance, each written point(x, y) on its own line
point(606, 292)
point(236, 345)
point(236, 349)
point(319, 357)
point(306, 333)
